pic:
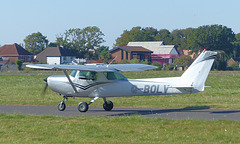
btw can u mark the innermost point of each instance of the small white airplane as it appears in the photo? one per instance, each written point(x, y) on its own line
point(103, 81)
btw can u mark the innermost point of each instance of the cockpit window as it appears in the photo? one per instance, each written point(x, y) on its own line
point(73, 73)
point(89, 75)
point(114, 76)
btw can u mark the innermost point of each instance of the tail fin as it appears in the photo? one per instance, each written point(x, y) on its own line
point(196, 75)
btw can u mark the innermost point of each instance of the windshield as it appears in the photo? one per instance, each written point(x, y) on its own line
point(73, 73)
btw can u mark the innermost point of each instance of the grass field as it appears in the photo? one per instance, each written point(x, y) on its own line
point(128, 129)
point(18, 89)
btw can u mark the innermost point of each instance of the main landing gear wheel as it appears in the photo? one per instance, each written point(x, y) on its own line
point(83, 107)
point(108, 105)
point(61, 106)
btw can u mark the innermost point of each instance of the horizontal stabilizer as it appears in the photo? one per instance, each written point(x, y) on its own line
point(182, 87)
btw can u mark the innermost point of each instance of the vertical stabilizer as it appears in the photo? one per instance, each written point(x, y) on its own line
point(198, 71)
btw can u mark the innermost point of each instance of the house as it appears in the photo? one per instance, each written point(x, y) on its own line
point(55, 55)
point(232, 61)
point(130, 52)
point(11, 53)
point(189, 53)
point(164, 54)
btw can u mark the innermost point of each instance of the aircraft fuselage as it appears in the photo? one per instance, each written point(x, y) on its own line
point(115, 88)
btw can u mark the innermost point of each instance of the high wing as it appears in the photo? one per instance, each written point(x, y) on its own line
point(101, 67)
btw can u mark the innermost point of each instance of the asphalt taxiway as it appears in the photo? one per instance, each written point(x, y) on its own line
point(198, 113)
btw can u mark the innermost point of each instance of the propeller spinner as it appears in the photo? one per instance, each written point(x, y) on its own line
point(45, 88)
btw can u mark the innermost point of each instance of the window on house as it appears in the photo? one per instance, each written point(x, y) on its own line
point(122, 54)
point(22, 58)
point(126, 55)
point(29, 58)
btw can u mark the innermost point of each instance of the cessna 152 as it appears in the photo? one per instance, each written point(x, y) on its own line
point(104, 81)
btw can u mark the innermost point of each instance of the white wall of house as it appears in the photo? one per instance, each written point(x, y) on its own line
point(53, 60)
point(67, 59)
point(173, 51)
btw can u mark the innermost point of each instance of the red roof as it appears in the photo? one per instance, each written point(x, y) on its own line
point(13, 50)
point(136, 48)
point(132, 49)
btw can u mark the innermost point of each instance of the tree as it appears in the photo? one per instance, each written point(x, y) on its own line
point(35, 43)
point(52, 44)
point(236, 46)
point(236, 49)
point(164, 35)
point(81, 41)
point(237, 36)
point(220, 62)
point(103, 53)
point(212, 37)
point(184, 60)
point(149, 33)
point(135, 34)
point(181, 38)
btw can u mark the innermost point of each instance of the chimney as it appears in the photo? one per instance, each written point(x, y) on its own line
point(61, 46)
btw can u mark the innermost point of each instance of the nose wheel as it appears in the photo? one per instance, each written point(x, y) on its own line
point(61, 106)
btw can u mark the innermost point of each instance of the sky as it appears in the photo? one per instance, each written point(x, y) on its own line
point(20, 18)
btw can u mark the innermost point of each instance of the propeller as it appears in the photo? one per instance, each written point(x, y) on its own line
point(45, 88)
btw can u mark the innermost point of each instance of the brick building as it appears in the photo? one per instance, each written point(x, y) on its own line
point(11, 53)
point(130, 52)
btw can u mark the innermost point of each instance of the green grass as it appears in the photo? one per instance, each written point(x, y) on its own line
point(224, 92)
point(128, 129)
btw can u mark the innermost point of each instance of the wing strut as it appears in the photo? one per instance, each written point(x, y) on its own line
point(70, 81)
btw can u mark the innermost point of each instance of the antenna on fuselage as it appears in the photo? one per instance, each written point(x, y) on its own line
point(112, 61)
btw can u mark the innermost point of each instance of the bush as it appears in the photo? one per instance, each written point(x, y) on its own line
point(135, 61)
point(170, 67)
point(236, 64)
point(19, 64)
point(123, 61)
point(158, 65)
point(145, 62)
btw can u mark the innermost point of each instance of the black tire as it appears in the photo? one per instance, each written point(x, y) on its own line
point(83, 107)
point(61, 106)
point(108, 105)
